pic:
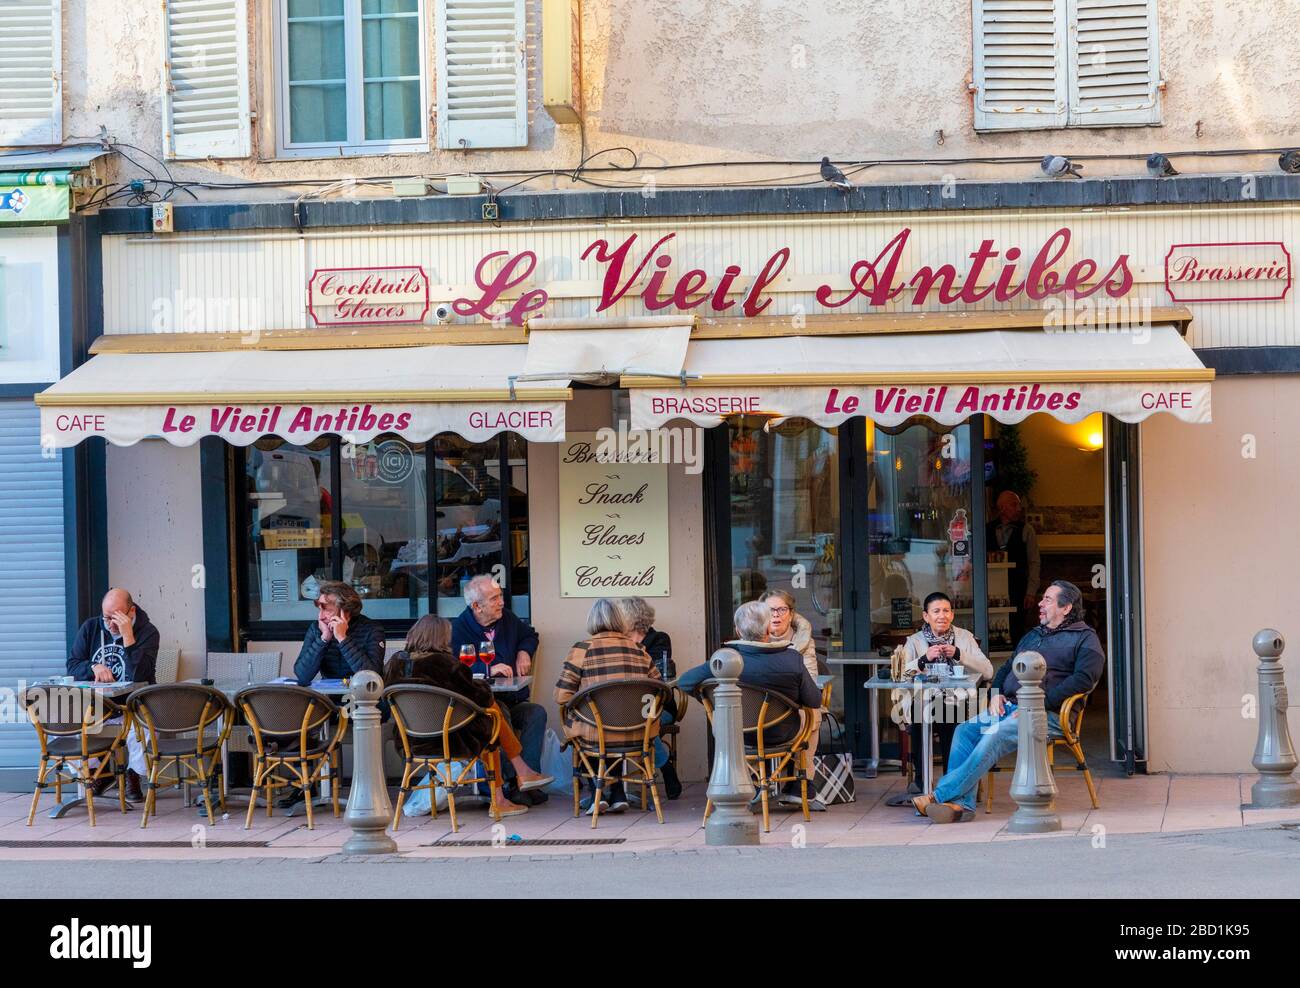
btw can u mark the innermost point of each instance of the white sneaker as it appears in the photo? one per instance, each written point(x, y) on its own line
point(618, 806)
point(604, 807)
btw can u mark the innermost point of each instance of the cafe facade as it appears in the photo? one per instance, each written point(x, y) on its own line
point(698, 406)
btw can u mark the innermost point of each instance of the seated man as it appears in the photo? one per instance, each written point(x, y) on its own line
point(485, 618)
point(1074, 664)
point(342, 641)
point(774, 665)
point(119, 646)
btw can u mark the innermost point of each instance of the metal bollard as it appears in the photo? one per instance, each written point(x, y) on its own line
point(1275, 757)
point(730, 788)
point(1032, 787)
point(369, 809)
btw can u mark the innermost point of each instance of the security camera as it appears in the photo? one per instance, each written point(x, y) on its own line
point(442, 312)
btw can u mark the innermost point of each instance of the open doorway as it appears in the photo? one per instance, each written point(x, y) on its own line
point(1046, 508)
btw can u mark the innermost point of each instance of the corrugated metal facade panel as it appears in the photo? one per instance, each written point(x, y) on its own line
point(32, 600)
point(242, 282)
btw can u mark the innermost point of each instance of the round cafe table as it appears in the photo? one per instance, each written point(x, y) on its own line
point(921, 691)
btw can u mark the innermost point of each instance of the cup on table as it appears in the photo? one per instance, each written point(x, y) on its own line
point(958, 672)
point(939, 669)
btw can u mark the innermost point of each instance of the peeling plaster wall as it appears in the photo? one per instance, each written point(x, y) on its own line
point(689, 80)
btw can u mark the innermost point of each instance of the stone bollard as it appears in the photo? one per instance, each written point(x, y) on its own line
point(730, 788)
point(369, 809)
point(1275, 757)
point(1032, 787)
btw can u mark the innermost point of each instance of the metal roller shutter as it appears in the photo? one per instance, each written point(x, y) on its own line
point(32, 600)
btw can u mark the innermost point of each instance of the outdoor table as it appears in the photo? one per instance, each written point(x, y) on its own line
point(950, 684)
point(114, 691)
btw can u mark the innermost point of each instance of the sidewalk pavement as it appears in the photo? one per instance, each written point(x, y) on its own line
point(1155, 804)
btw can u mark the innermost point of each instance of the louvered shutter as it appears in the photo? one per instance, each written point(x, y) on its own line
point(31, 73)
point(1115, 72)
point(205, 79)
point(482, 74)
point(33, 625)
point(1020, 64)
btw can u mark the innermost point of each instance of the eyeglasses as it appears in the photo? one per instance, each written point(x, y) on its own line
point(780, 611)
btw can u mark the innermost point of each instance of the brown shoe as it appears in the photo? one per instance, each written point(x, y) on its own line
point(947, 812)
point(134, 794)
point(921, 804)
point(102, 785)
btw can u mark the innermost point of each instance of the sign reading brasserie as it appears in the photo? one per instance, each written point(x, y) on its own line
point(1228, 272)
point(613, 518)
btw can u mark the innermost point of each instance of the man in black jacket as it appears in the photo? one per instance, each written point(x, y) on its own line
point(343, 641)
point(1074, 665)
point(772, 665)
point(119, 646)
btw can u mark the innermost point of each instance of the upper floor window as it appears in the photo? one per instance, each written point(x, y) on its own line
point(352, 75)
point(1065, 63)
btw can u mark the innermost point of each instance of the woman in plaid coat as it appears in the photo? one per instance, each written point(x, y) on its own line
point(608, 654)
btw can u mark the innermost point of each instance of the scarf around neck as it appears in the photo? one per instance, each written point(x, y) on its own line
point(948, 638)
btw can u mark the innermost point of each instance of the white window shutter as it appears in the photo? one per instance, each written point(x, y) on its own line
point(205, 79)
point(1115, 71)
point(31, 72)
point(482, 74)
point(1020, 64)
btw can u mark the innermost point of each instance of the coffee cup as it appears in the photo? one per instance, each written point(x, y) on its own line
point(958, 672)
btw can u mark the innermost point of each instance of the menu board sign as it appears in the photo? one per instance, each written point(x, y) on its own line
point(613, 518)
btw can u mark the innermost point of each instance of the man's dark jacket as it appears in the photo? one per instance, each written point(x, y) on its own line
point(513, 635)
point(362, 649)
point(94, 645)
point(774, 666)
point(1074, 662)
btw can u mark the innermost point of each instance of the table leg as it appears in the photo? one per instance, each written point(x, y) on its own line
point(873, 765)
point(927, 748)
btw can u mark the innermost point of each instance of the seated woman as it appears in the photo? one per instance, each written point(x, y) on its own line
point(427, 659)
point(660, 648)
point(608, 654)
point(939, 640)
point(791, 627)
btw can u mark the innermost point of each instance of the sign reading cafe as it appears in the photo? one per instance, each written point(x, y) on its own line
point(613, 518)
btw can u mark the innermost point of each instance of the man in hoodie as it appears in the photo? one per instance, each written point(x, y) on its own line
point(119, 646)
point(515, 642)
point(1075, 661)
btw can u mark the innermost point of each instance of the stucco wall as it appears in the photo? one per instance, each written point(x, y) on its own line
point(693, 81)
point(155, 539)
point(1220, 546)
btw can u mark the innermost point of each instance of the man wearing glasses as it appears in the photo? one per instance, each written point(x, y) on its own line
point(343, 641)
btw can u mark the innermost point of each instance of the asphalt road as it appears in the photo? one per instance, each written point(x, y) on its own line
point(1258, 862)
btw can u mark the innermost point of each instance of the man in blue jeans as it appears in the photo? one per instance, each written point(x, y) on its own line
point(1074, 664)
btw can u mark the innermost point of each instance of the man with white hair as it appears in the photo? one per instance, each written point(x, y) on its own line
point(768, 664)
point(515, 642)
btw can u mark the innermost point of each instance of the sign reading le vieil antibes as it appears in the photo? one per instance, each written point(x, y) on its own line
point(613, 518)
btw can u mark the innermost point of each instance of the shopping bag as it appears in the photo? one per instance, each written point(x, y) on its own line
point(419, 802)
point(831, 778)
point(557, 762)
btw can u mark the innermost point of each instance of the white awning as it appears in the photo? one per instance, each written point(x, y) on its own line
point(1130, 373)
point(240, 395)
point(603, 350)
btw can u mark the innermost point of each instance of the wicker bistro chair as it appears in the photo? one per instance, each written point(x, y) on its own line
point(182, 727)
point(624, 706)
point(75, 727)
point(1072, 711)
point(769, 764)
point(298, 733)
point(435, 720)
